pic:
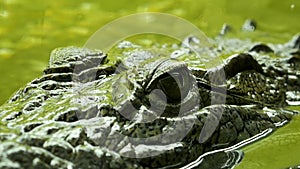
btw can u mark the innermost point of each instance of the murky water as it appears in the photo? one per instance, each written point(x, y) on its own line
point(29, 30)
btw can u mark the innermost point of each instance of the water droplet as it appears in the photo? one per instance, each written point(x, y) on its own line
point(292, 6)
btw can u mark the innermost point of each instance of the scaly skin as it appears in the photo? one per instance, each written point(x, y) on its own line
point(89, 112)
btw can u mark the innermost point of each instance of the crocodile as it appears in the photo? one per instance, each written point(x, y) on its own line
point(148, 109)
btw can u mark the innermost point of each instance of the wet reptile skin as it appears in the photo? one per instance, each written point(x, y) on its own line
point(89, 112)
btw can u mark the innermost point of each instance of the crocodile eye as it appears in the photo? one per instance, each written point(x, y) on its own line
point(175, 84)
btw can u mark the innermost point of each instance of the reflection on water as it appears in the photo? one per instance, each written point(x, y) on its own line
point(219, 159)
point(226, 158)
point(29, 30)
point(279, 150)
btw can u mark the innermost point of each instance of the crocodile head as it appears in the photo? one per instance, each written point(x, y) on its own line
point(88, 111)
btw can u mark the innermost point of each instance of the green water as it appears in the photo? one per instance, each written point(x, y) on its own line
point(29, 30)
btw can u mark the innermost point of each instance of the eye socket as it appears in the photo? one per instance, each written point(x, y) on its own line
point(175, 84)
